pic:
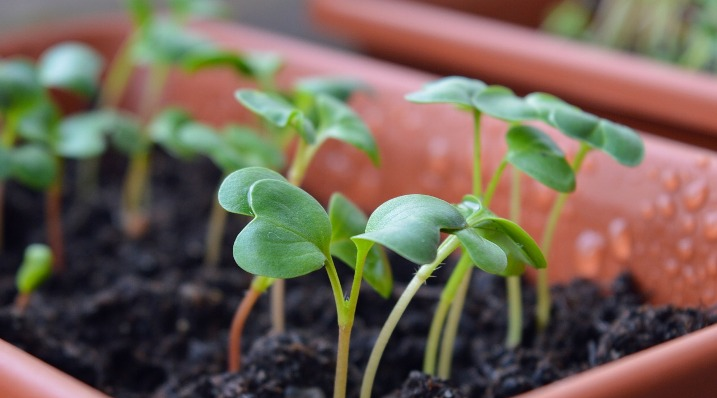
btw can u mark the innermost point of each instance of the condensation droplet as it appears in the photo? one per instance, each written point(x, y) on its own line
point(703, 161)
point(688, 224)
point(665, 205)
point(671, 266)
point(647, 210)
point(670, 180)
point(710, 227)
point(689, 274)
point(695, 195)
point(589, 247)
point(620, 239)
point(685, 249)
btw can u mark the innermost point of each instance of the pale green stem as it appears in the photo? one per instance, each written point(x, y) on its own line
point(215, 232)
point(477, 166)
point(118, 75)
point(512, 283)
point(463, 268)
point(424, 272)
point(346, 310)
point(451, 328)
point(543, 286)
point(493, 183)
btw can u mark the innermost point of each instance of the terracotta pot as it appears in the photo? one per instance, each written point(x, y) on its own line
point(658, 221)
point(645, 94)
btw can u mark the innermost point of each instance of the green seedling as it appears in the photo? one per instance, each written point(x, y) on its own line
point(35, 269)
point(592, 133)
point(680, 32)
point(160, 44)
point(312, 114)
point(530, 151)
point(411, 226)
point(35, 138)
point(232, 148)
point(291, 235)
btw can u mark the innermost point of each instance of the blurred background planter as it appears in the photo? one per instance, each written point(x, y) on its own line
point(658, 221)
point(487, 43)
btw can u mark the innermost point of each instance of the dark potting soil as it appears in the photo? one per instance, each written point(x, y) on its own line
point(144, 318)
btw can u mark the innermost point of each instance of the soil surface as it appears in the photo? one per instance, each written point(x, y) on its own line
point(144, 319)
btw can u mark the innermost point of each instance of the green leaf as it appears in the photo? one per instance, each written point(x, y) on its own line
point(243, 147)
point(165, 42)
point(410, 225)
point(337, 120)
point(214, 57)
point(348, 220)
point(518, 245)
point(622, 143)
point(71, 66)
point(126, 133)
point(290, 235)
point(536, 154)
point(19, 84)
point(337, 87)
point(449, 90)
point(277, 111)
point(263, 65)
point(198, 8)
point(83, 135)
point(36, 267)
point(39, 122)
point(577, 124)
point(33, 165)
point(500, 102)
point(181, 136)
point(485, 254)
point(546, 103)
point(234, 190)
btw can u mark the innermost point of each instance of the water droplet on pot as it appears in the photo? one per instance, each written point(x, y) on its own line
point(703, 161)
point(685, 248)
point(695, 195)
point(689, 274)
point(710, 227)
point(620, 239)
point(665, 205)
point(688, 224)
point(670, 180)
point(438, 154)
point(647, 210)
point(589, 247)
point(671, 266)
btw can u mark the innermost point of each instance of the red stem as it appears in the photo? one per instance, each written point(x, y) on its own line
point(237, 328)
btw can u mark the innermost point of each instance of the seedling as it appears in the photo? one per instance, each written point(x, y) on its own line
point(160, 44)
point(291, 235)
point(35, 269)
point(35, 138)
point(316, 115)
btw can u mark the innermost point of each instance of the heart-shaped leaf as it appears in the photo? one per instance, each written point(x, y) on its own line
point(501, 103)
point(337, 87)
point(126, 133)
point(536, 154)
point(263, 65)
point(449, 90)
point(36, 267)
point(82, 136)
point(410, 225)
point(33, 165)
point(337, 120)
point(168, 43)
point(290, 235)
point(71, 66)
point(485, 254)
point(243, 147)
point(211, 57)
point(277, 111)
point(234, 190)
point(577, 124)
point(622, 143)
point(19, 84)
point(518, 245)
point(39, 122)
point(545, 103)
point(348, 220)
